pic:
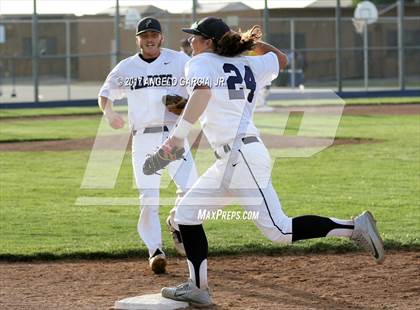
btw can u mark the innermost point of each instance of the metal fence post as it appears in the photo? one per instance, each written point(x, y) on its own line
point(401, 51)
point(292, 53)
point(338, 45)
point(266, 24)
point(68, 60)
point(14, 94)
point(35, 53)
point(366, 55)
point(1, 77)
point(117, 31)
point(194, 11)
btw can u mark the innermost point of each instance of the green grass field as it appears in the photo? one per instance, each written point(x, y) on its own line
point(39, 218)
point(8, 113)
point(40, 129)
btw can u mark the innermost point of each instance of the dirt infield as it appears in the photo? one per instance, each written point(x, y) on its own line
point(387, 109)
point(339, 281)
point(271, 141)
point(369, 109)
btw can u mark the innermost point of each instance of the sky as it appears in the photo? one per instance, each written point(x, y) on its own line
point(82, 7)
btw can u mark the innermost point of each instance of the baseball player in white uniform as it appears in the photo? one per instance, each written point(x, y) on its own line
point(243, 165)
point(145, 78)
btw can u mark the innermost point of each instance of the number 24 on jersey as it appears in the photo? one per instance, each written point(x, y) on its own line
point(237, 78)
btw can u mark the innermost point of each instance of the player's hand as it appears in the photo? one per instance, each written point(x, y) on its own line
point(115, 120)
point(173, 142)
point(172, 149)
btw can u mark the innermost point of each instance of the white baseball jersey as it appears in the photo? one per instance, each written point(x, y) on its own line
point(145, 84)
point(229, 111)
point(243, 173)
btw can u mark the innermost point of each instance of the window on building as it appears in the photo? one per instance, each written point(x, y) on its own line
point(27, 47)
point(282, 40)
point(391, 41)
point(412, 38)
point(46, 46)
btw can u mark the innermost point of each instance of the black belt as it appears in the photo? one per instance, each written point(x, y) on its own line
point(245, 140)
point(153, 130)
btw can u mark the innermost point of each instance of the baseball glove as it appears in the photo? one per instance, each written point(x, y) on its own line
point(174, 103)
point(161, 158)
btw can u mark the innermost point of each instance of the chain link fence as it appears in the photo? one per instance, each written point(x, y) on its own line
point(75, 55)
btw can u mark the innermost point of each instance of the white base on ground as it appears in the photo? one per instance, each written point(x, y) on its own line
point(149, 302)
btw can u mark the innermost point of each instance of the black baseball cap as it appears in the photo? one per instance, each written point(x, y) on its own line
point(148, 24)
point(209, 27)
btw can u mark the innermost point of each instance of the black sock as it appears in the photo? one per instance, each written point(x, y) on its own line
point(157, 252)
point(178, 236)
point(312, 226)
point(196, 247)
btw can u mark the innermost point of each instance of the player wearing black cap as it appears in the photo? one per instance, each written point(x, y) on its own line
point(242, 169)
point(145, 78)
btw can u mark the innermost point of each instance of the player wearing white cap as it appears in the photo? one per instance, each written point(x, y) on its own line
point(243, 166)
point(145, 78)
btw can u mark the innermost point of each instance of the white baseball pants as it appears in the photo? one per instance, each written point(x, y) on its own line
point(183, 172)
point(242, 175)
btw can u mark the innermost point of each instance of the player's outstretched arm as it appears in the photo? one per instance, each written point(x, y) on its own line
point(173, 148)
point(262, 48)
point(196, 104)
point(114, 119)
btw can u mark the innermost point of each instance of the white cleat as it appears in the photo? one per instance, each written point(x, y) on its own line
point(176, 237)
point(367, 236)
point(158, 263)
point(190, 293)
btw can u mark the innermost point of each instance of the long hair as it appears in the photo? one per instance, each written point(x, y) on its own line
point(235, 43)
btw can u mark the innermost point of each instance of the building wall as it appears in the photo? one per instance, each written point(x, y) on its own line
point(320, 65)
point(95, 35)
point(16, 52)
point(94, 38)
